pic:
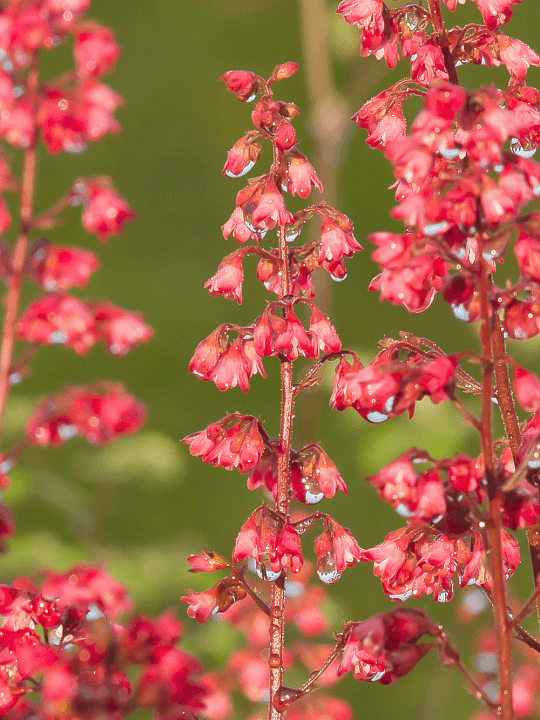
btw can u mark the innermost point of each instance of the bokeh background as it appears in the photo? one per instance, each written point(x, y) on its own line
point(142, 505)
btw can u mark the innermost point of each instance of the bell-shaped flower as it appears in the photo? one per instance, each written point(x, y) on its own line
point(527, 389)
point(95, 50)
point(336, 242)
point(58, 320)
point(271, 210)
point(230, 369)
point(288, 550)
point(207, 354)
point(59, 268)
point(105, 211)
point(323, 332)
point(229, 277)
point(237, 226)
point(243, 83)
point(242, 156)
point(301, 176)
point(121, 330)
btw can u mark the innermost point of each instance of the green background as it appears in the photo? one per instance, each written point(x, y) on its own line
point(143, 504)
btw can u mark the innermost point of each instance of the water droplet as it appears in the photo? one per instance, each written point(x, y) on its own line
point(435, 229)
point(57, 337)
point(376, 417)
point(461, 312)
point(401, 597)
point(293, 589)
point(243, 172)
point(517, 148)
point(265, 573)
point(285, 697)
point(403, 510)
point(274, 661)
point(327, 571)
point(338, 279)
point(450, 154)
point(312, 498)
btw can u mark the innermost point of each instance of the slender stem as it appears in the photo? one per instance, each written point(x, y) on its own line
point(476, 689)
point(251, 592)
point(277, 605)
point(438, 25)
point(314, 677)
point(513, 433)
point(12, 296)
point(493, 528)
point(526, 610)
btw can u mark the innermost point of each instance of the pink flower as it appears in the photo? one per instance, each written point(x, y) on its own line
point(243, 84)
point(230, 369)
point(462, 474)
point(288, 550)
point(496, 12)
point(293, 340)
point(121, 330)
point(301, 176)
point(384, 648)
point(58, 319)
point(271, 210)
point(516, 56)
point(428, 65)
point(59, 268)
point(228, 279)
point(86, 584)
point(98, 103)
point(242, 157)
point(105, 211)
point(323, 332)
point(207, 354)
point(527, 389)
point(237, 226)
point(95, 50)
point(336, 242)
point(527, 252)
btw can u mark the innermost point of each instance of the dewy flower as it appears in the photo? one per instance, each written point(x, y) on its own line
point(105, 212)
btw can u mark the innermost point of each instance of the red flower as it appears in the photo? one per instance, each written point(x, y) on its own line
point(95, 50)
point(58, 319)
point(105, 211)
point(59, 268)
point(121, 330)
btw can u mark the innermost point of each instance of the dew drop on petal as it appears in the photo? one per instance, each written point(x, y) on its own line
point(376, 417)
point(461, 312)
point(328, 576)
point(517, 148)
point(401, 597)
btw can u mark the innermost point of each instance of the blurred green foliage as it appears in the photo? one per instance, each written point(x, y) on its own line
point(142, 505)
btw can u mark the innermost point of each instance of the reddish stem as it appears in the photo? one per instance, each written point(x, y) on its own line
point(513, 433)
point(277, 604)
point(493, 529)
point(438, 26)
point(12, 296)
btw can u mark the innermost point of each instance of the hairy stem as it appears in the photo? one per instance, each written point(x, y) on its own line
point(438, 25)
point(13, 294)
point(277, 605)
point(493, 529)
point(513, 433)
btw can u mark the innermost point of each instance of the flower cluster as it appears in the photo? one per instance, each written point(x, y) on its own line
point(64, 651)
point(464, 175)
point(67, 648)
